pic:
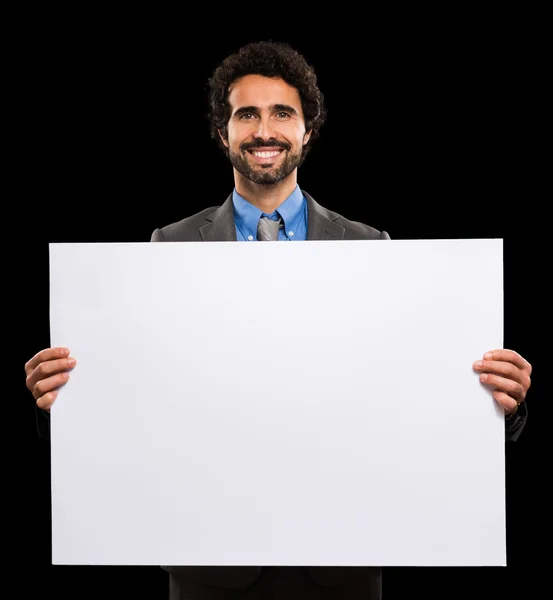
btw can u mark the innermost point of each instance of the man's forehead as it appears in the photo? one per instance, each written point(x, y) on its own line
point(262, 92)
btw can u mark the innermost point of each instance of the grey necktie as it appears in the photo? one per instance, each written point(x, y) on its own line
point(267, 229)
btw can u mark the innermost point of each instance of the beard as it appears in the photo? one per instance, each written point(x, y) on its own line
point(264, 174)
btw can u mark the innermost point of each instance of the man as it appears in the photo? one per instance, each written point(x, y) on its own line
point(265, 111)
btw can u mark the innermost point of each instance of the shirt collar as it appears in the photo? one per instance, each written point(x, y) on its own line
point(247, 215)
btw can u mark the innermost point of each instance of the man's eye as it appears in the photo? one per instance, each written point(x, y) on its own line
point(247, 116)
point(283, 115)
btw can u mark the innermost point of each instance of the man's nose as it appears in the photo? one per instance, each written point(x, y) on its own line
point(265, 129)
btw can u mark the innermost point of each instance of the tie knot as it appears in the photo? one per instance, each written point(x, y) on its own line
point(267, 229)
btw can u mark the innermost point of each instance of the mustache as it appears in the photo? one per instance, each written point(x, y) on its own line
point(263, 144)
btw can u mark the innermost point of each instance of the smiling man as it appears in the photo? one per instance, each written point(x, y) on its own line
point(265, 136)
point(265, 112)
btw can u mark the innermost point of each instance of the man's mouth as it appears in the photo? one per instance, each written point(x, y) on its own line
point(265, 155)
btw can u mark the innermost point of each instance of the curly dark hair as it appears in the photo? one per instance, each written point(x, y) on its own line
point(270, 59)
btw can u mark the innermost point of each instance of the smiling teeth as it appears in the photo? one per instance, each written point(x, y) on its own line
point(266, 154)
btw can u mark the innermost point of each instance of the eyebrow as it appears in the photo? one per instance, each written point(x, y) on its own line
point(255, 110)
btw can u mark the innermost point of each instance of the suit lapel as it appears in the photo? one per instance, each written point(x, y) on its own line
point(321, 222)
point(220, 225)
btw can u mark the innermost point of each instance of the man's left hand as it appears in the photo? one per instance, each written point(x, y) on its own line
point(508, 374)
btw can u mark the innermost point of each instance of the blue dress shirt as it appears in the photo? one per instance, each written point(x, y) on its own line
point(293, 212)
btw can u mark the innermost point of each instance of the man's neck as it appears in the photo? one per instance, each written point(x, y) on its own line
point(266, 197)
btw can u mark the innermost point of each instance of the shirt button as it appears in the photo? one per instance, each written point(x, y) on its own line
point(291, 233)
point(250, 237)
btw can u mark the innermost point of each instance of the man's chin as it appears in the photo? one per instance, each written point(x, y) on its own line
point(268, 173)
point(265, 179)
point(263, 174)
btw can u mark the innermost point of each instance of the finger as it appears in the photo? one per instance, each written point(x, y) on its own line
point(512, 388)
point(45, 356)
point(48, 369)
point(50, 383)
point(45, 402)
point(505, 369)
point(509, 356)
point(508, 403)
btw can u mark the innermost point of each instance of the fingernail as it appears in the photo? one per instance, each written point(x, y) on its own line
point(71, 362)
point(478, 364)
point(483, 377)
point(488, 356)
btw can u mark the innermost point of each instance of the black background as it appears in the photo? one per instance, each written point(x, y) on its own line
point(434, 130)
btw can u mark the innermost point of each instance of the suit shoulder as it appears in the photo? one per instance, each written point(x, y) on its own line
point(355, 230)
point(186, 229)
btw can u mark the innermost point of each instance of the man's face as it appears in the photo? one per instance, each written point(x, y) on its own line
point(266, 130)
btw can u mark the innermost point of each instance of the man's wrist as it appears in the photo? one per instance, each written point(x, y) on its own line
point(510, 416)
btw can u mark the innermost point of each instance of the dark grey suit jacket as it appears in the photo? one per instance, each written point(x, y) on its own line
point(216, 224)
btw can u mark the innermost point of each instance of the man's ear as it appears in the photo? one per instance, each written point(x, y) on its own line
point(223, 138)
point(306, 136)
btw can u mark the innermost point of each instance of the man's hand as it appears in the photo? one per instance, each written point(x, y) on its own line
point(508, 374)
point(46, 372)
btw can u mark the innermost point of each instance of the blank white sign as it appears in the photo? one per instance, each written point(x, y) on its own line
point(310, 403)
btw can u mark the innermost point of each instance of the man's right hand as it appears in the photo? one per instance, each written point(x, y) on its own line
point(46, 372)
